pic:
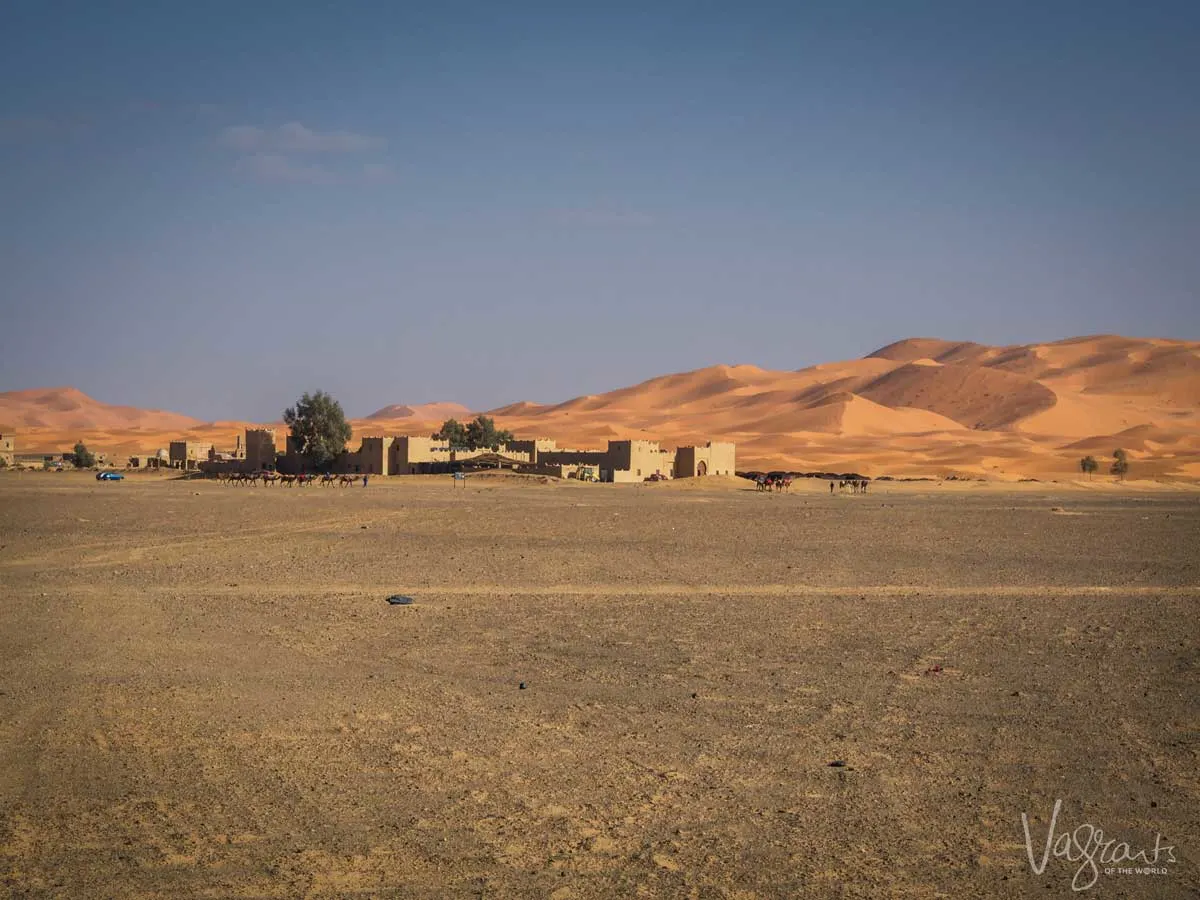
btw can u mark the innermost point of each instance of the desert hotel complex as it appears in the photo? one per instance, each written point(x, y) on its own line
point(622, 461)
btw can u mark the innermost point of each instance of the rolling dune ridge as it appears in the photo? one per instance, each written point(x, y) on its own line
point(917, 407)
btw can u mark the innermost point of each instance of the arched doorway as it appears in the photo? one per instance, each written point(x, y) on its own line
point(701, 468)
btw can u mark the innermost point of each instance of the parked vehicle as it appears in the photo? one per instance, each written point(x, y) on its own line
point(109, 476)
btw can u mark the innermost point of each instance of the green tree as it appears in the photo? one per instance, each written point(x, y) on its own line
point(482, 432)
point(1120, 463)
point(453, 431)
point(83, 457)
point(1088, 465)
point(319, 427)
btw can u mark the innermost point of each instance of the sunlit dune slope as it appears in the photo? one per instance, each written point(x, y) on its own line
point(921, 406)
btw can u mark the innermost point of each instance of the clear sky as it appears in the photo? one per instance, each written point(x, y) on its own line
point(211, 207)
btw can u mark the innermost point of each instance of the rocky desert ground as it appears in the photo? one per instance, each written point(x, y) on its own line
point(203, 692)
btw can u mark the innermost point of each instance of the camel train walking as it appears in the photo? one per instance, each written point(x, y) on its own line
point(775, 483)
point(781, 483)
point(855, 486)
point(268, 478)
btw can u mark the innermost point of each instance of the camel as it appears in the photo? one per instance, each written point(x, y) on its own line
point(856, 485)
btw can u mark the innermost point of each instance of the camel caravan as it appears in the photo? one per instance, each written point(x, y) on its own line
point(855, 486)
point(783, 483)
point(777, 483)
point(268, 478)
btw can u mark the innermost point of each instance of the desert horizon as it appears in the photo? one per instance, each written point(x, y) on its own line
point(916, 407)
point(820, 513)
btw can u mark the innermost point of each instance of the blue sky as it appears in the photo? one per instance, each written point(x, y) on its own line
point(213, 207)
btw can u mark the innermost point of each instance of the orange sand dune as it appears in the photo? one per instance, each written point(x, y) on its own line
point(921, 406)
point(926, 348)
point(423, 412)
point(975, 396)
point(845, 414)
point(66, 409)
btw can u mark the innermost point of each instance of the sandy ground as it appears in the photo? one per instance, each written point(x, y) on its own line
point(204, 694)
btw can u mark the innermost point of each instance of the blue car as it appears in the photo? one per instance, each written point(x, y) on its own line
point(109, 476)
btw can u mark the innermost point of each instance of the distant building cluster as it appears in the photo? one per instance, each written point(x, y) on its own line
point(160, 459)
point(258, 453)
point(622, 461)
point(9, 458)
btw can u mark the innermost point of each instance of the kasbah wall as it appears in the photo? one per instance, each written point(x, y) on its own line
point(260, 449)
point(8, 445)
point(623, 461)
point(714, 458)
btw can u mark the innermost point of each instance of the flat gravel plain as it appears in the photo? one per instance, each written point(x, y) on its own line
point(203, 692)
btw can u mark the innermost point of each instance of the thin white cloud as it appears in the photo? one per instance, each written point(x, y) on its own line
point(294, 137)
point(279, 168)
